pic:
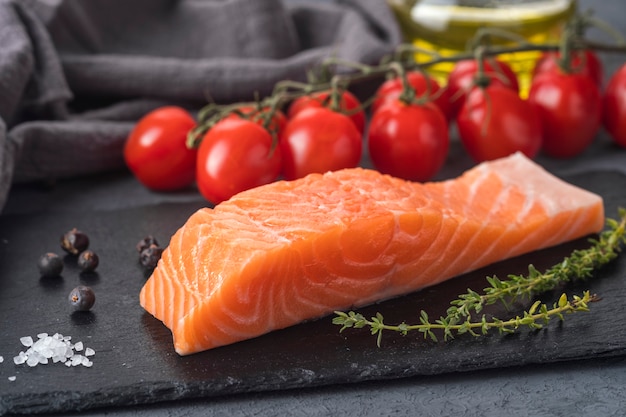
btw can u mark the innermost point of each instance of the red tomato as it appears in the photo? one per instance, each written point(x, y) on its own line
point(421, 83)
point(277, 123)
point(614, 106)
point(570, 110)
point(496, 122)
point(156, 151)
point(349, 105)
point(319, 140)
point(461, 79)
point(583, 61)
point(235, 155)
point(408, 141)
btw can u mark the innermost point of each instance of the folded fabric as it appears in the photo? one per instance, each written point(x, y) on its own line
point(75, 75)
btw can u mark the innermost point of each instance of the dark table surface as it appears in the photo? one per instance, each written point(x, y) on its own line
point(553, 385)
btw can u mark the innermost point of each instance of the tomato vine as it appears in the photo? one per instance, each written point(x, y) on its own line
point(408, 84)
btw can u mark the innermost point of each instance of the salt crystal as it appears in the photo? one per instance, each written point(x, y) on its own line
point(12, 378)
point(26, 341)
point(46, 352)
point(57, 348)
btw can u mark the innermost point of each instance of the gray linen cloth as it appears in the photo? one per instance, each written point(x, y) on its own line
point(75, 75)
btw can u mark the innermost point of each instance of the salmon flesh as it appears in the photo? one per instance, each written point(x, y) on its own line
point(291, 251)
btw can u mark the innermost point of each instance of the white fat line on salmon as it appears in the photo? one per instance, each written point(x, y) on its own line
point(497, 205)
point(521, 217)
point(474, 186)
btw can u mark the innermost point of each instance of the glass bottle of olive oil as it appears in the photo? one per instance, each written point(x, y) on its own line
point(446, 26)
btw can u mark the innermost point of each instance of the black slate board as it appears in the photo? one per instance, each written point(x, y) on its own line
point(136, 364)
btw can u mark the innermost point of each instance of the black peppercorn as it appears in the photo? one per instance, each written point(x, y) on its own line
point(50, 265)
point(88, 261)
point(150, 256)
point(146, 242)
point(74, 241)
point(82, 298)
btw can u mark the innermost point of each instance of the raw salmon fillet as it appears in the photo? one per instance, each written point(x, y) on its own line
point(291, 251)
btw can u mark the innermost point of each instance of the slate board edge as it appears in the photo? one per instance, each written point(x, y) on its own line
point(165, 391)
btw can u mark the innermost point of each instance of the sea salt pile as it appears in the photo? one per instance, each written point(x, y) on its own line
point(56, 349)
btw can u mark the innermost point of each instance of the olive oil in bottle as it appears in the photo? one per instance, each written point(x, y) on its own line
point(446, 26)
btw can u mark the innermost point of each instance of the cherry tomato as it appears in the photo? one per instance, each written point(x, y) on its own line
point(614, 106)
point(235, 155)
point(495, 122)
point(461, 79)
point(349, 104)
point(583, 61)
point(319, 140)
point(570, 110)
point(422, 84)
point(250, 112)
point(156, 151)
point(408, 141)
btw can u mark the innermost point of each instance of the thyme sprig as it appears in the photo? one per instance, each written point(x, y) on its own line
point(580, 264)
point(532, 319)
